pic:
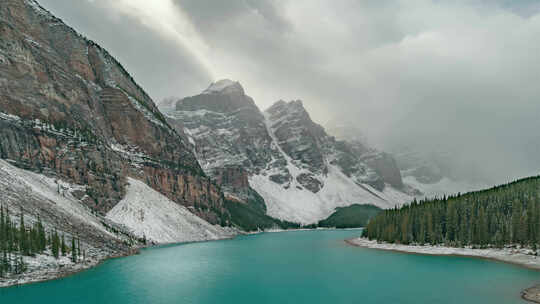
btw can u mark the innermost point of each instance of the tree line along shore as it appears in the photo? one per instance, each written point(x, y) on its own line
point(21, 239)
point(503, 215)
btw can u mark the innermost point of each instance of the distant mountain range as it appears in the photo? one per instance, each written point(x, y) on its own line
point(433, 173)
point(301, 172)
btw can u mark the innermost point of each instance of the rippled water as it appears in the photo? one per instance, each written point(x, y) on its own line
point(290, 267)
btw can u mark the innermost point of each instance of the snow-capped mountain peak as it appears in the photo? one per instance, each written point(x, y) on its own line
point(225, 86)
point(300, 171)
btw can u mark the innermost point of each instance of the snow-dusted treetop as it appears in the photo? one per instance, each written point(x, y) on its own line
point(224, 86)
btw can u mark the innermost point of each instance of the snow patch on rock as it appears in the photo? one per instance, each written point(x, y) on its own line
point(147, 213)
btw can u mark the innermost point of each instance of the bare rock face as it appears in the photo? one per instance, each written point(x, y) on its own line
point(386, 167)
point(228, 127)
point(302, 140)
point(234, 182)
point(228, 134)
point(234, 179)
point(296, 133)
point(69, 108)
point(311, 148)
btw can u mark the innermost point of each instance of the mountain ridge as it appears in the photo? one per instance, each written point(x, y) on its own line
point(282, 146)
point(78, 136)
point(76, 112)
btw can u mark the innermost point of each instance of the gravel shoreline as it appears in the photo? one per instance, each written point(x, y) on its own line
point(518, 256)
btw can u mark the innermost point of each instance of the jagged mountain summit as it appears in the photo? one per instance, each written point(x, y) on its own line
point(225, 86)
point(300, 171)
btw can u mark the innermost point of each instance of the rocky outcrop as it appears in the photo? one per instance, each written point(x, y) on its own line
point(300, 139)
point(228, 127)
point(311, 148)
point(227, 132)
point(70, 109)
point(297, 135)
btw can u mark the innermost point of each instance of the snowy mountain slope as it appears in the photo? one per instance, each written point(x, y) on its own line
point(18, 184)
point(333, 188)
point(301, 172)
point(58, 204)
point(149, 214)
point(144, 211)
point(299, 205)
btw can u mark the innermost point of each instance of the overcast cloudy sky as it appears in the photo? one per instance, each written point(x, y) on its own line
point(454, 76)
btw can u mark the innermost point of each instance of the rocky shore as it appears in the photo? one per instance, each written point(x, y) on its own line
point(531, 294)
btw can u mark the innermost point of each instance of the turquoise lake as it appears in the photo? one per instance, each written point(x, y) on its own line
point(289, 267)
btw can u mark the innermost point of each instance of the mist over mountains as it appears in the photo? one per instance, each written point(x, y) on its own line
point(409, 75)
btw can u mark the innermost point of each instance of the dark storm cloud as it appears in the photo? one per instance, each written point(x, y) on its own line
point(453, 76)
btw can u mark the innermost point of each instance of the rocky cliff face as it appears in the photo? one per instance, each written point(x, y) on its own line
point(301, 140)
point(301, 172)
point(310, 147)
point(227, 133)
point(68, 108)
point(228, 127)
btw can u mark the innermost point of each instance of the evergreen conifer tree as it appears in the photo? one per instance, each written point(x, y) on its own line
point(23, 240)
point(63, 246)
point(73, 251)
point(503, 215)
point(55, 244)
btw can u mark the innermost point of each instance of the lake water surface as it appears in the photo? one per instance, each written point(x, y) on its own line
point(290, 267)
